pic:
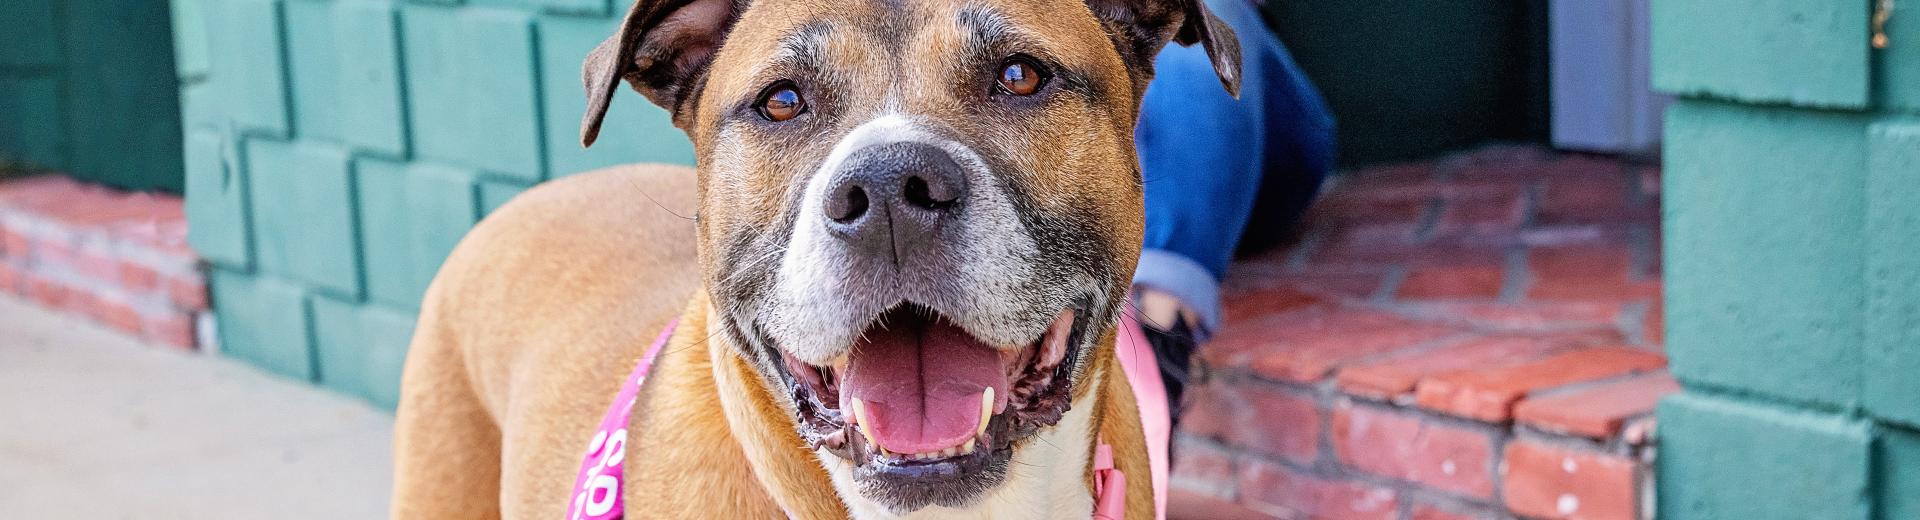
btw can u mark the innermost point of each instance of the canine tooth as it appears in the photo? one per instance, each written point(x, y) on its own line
point(986, 411)
point(967, 448)
point(860, 418)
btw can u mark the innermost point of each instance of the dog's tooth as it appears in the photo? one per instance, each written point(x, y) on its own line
point(986, 411)
point(967, 448)
point(860, 418)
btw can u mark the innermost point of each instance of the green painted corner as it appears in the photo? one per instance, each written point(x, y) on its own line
point(1763, 247)
point(1811, 53)
point(216, 202)
point(263, 321)
point(248, 74)
point(361, 349)
point(1722, 459)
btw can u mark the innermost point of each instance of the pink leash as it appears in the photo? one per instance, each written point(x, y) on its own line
point(596, 491)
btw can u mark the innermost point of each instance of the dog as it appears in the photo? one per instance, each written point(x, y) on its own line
point(893, 279)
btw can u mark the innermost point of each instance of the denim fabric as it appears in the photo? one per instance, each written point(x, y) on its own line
point(1208, 159)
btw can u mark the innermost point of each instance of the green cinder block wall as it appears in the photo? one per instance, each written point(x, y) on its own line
point(337, 150)
point(85, 89)
point(1792, 235)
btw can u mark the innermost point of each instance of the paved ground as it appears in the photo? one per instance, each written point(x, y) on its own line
point(96, 425)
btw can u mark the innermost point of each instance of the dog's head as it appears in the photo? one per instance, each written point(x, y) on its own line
point(917, 216)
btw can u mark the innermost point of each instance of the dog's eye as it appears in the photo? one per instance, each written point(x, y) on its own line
point(1020, 76)
point(781, 102)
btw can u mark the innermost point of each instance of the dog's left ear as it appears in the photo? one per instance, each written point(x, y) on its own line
point(662, 48)
point(1142, 27)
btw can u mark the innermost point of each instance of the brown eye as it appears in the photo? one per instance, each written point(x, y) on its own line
point(781, 103)
point(1020, 77)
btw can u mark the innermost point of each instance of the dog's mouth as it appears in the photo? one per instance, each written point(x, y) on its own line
point(918, 400)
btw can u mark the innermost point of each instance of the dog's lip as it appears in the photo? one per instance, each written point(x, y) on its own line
point(1034, 401)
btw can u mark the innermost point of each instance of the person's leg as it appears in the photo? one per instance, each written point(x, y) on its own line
point(1212, 165)
point(1208, 161)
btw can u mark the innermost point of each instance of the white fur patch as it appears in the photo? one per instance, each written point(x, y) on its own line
point(818, 308)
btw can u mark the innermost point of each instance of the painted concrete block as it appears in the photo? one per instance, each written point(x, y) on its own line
point(189, 38)
point(217, 201)
point(411, 217)
point(302, 205)
point(33, 37)
point(346, 74)
point(247, 71)
point(1727, 460)
point(199, 107)
point(361, 349)
point(471, 89)
point(1800, 52)
point(263, 321)
point(1898, 81)
point(1892, 356)
point(34, 131)
point(494, 194)
point(635, 129)
point(1764, 243)
point(1899, 484)
point(566, 7)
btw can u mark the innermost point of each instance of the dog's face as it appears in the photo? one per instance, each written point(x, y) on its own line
point(916, 215)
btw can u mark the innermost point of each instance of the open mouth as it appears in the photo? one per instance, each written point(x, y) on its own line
point(919, 399)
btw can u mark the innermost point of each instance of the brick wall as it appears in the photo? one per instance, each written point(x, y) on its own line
point(336, 150)
point(1474, 337)
point(1793, 177)
point(118, 258)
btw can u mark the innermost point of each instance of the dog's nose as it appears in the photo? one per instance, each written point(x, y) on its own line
point(896, 192)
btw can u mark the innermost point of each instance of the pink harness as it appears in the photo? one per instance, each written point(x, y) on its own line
point(596, 491)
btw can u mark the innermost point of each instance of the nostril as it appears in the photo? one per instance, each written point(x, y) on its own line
point(935, 195)
point(848, 205)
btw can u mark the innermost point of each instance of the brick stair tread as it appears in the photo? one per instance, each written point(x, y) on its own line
point(1598, 412)
point(1489, 394)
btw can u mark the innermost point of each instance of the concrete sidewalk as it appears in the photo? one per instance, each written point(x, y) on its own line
point(97, 425)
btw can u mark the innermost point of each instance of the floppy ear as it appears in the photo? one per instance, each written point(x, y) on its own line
point(1140, 28)
point(662, 49)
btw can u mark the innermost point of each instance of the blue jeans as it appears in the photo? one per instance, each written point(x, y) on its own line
point(1212, 164)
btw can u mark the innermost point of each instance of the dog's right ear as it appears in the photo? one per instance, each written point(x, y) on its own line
point(662, 48)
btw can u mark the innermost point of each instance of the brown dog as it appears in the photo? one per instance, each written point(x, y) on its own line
point(917, 220)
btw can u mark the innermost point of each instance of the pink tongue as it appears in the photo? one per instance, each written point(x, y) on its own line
point(921, 381)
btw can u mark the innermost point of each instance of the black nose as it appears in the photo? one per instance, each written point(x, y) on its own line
point(891, 198)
